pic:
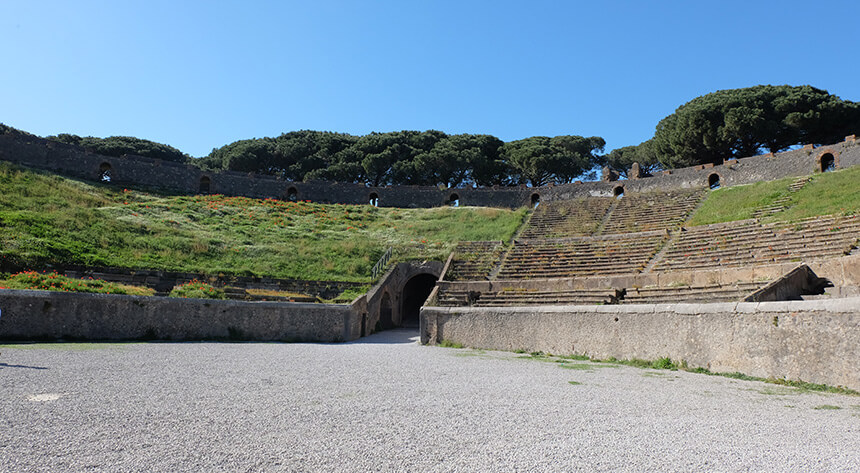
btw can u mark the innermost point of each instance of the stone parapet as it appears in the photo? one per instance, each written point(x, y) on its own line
point(814, 341)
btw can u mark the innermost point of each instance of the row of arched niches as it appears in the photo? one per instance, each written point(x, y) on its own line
point(824, 163)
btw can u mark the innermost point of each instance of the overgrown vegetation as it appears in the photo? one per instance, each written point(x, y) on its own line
point(831, 193)
point(55, 282)
point(47, 219)
point(349, 295)
point(197, 290)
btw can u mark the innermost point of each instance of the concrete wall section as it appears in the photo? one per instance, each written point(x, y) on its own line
point(29, 315)
point(813, 341)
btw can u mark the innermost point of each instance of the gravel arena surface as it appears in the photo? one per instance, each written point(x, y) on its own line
point(386, 403)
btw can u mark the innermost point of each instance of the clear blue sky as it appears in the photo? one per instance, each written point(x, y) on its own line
point(198, 75)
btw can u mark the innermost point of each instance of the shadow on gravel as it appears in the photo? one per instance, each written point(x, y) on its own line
point(7, 365)
point(389, 337)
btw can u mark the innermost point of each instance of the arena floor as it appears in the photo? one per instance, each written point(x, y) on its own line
point(386, 403)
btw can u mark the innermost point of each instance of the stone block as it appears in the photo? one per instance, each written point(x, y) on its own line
point(851, 270)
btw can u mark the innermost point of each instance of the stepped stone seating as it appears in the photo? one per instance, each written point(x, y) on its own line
point(474, 260)
point(520, 297)
point(582, 256)
point(652, 211)
point(746, 242)
point(702, 294)
point(579, 217)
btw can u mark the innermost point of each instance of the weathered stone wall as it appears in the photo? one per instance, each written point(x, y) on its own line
point(35, 315)
point(29, 315)
point(813, 341)
point(136, 170)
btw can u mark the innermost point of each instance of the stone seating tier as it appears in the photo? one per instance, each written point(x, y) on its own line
point(580, 257)
point(579, 217)
point(648, 295)
point(652, 211)
point(703, 294)
point(473, 260)
point(511, 297)
point(750, 243)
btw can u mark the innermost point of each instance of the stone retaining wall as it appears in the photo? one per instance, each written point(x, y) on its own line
point(813, 341)
point(45, 315)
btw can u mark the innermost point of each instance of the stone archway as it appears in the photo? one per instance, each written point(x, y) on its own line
point(397, 299)
point(105, 172)
point(826, 162)
point(205, 185)
point(714, 181)
point(413, 296)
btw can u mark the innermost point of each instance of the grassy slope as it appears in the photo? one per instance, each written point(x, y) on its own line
point(830, 193)
point(49, 219)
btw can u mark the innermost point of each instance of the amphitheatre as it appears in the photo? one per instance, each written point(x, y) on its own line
point(643, 270)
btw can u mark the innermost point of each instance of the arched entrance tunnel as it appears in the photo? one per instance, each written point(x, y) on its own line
point(415, 293)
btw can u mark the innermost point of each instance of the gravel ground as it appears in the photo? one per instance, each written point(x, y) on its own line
point(386, 403)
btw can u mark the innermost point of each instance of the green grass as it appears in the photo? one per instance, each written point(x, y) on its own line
point(197, 290)
point(55, 282)
point(666, 363)
point(827, 407)
point(48, 219)
point(832, 193)
point(450, 344)
point(738, 202)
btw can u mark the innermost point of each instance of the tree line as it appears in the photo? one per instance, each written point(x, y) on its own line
point(720, 125)
point(122, 145)
point(431, 158)
point(742, 122)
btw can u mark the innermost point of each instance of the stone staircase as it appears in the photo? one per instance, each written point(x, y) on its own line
point(783, 202)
